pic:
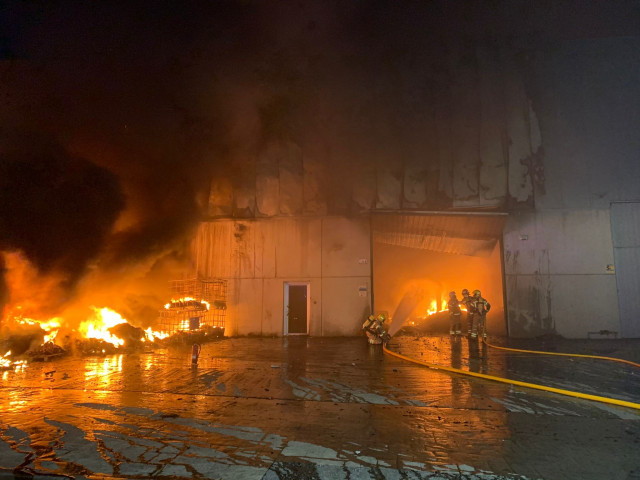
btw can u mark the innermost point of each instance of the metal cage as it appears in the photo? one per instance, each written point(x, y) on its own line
point(188, 311)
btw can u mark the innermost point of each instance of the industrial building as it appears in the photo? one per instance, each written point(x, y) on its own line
point(518, 175)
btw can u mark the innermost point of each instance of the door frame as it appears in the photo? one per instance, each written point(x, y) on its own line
point(286, 306)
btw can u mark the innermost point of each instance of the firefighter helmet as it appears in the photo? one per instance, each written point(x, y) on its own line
point(452, 294)
point(465, 292)
point(476, 293)
point(382, 317)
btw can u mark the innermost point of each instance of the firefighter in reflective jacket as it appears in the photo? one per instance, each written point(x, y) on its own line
point(481, 307)
point(454, 314)
point(468, 303)
point(375, 329)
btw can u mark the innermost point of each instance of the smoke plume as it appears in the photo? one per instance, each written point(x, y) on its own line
point(55, 208)
point(143, 104)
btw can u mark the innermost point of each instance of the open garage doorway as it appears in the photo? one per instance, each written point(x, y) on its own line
point(423, 257)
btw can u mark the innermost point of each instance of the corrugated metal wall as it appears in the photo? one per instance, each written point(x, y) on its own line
point(470, 234)
point(259, 257)
point(625, 228)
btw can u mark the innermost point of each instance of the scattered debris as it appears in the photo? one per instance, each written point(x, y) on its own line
point(46, 352)
point(128, 333)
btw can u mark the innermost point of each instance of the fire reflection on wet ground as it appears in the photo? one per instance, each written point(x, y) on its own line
point(306, 408)
point(585, 375)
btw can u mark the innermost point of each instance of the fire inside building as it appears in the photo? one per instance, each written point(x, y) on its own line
point(497, 178)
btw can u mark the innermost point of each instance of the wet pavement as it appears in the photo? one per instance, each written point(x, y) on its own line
point(317, 408)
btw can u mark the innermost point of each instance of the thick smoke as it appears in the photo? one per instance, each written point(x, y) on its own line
point(146, 103)
point(56, 209)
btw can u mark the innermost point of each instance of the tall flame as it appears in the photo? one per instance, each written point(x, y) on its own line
point(99, 324)
point(433, 307)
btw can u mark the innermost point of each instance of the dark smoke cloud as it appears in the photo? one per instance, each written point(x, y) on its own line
point(165, 95)
point(129, 88)
point(55, 208)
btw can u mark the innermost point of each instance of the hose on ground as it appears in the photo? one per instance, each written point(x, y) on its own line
point(570, 393)
point(598, 357)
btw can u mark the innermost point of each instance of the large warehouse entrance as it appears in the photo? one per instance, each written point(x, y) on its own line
point(422, 257)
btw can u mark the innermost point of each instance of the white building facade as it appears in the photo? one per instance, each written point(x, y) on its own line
point(547, 139)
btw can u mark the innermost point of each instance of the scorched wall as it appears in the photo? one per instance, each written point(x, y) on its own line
point(258, 257)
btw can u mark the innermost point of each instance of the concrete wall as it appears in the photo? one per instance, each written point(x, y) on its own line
point(556, 273)
point(257, 257)
point(546, 131)
point(586, 97)
point(464, 136)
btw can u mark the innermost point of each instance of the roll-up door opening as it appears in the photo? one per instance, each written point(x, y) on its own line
point(434, 254)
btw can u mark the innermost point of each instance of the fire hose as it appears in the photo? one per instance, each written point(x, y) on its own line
point(570, 393)
point(598, 357)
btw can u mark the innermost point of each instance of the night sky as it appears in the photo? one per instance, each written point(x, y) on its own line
point(116, 115)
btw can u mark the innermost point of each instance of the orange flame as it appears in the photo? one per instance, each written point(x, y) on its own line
point(99, 324)
point(433, 307)
point(6, 362)
point(152, 335)
point(186, 299)
point(50, 326)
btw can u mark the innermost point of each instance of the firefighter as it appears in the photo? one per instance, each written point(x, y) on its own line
point(454, 314)
point(468, 302)
point(375, 329)
point(481, 307)
point(369, 327)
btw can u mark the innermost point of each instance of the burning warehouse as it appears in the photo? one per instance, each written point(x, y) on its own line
point(315, 201)
point(319, 276)
point(194, 196)
point(468, 210)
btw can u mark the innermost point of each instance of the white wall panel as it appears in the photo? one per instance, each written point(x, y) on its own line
point(343, 307)
point(584, 303)
point(248, 308)
point(273, 307)
point(625, 227)
point(298, 244)
point(346, 247)
point(555, 259)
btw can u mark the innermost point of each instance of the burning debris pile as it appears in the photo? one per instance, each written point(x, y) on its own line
point(434, 319)
point(105, 331)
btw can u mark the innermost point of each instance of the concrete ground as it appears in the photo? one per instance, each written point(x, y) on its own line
point(317, 408)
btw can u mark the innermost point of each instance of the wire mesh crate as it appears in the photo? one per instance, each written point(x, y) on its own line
point(195, 303)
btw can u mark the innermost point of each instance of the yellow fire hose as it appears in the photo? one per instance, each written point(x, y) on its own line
point(564, 354)
point(570, 393)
